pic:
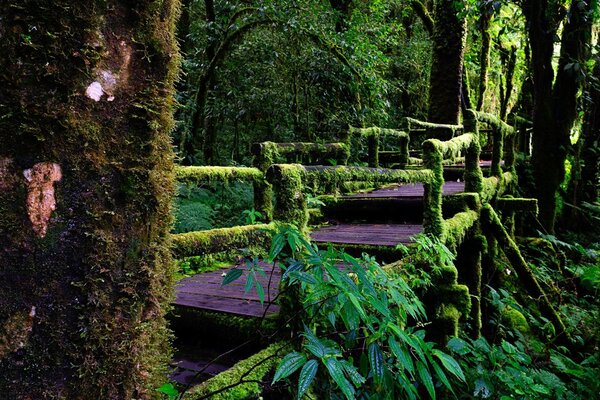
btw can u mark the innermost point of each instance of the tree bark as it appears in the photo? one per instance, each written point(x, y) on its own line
point(446, 71)
point(86, 97)
point(585, 173)
point(554, 107)
point(484, 54)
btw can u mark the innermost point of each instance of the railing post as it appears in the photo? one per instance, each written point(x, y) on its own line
point(473, 176)
point(497, 151)
point(290, 202)
point(373, 149)
point(433, 221)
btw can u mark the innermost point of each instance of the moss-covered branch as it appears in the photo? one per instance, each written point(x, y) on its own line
point(517, 205)
point(243, 380)
point(457, 227)
point(375, 134)
point(200, 175)
point(269, 153)
point(219, 240)
point(431, 128)
point(494, 122)
point(492, 222)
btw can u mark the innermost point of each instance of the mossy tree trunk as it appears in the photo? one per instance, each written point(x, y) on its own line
point(445, 81)
point(555, 107)
point(86, 95)
point(585, 173)
point(485, 18)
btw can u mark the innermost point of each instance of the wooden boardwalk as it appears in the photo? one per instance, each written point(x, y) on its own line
point(205, 291)
point(380, 234)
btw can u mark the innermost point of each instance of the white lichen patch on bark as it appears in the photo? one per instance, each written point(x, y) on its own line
point(40, 194)
point(107, 80)
point(94, 91)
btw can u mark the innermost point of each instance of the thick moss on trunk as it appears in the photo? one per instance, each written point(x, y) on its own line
point(85, 182)
point(445, 81)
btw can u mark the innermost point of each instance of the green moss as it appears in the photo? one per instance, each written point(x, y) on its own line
point(457, 227)
point(433, 222)
point(375, 135)
point(514, 319)
point(330, 179)
point(269, 153)
point(463, 201)
point(219, 240)
point(101, 279)
point(415, 123)
point(200, 175)
point(290, 201)
point(491, 222)
point(249, 372)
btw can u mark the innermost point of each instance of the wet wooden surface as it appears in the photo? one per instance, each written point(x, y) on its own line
point(205, 291)
point(367, 234)
point(408, 190)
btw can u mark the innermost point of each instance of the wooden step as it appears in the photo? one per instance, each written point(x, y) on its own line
point(366, 234)
point(204, 291)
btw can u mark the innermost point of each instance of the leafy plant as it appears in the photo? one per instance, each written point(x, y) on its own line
point(355, 339)
point(252, 216)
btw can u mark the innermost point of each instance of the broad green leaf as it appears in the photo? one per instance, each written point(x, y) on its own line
point(402, 355)
point(231, 276)
point(169, 390)
point(352, 373)
point(249, 282)
point(458, 346)
point(357, 305)
point(304, 277)
point(541, 388)
point(307, 374)
point(289, 365)
point(442, 376)
point(260, 291)
point(377, 362)
point(336, 372)
point(450, 364)
point(425, 378)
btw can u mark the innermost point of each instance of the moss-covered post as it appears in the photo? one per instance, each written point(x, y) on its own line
point(86, 96)
point(473, 176)
point(433, 221)
point(468, 263)
point(290, 202)
point(373, 149)
point(497, 151)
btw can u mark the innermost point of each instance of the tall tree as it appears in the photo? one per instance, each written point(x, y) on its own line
point(555, 106)
point(445, 81)
point(86, 92)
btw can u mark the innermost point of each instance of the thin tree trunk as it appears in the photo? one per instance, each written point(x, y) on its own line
point(85, 189)
point(484, 54)
point(509, 62)
point(446, 70)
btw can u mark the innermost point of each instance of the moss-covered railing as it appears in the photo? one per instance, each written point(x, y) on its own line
point(375, 136)
point(431, 130)
point(291, 181)
point(224, 239)
point(269, 153)
point(434, 153)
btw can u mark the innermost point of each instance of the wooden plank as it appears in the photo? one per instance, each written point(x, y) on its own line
point(413, 190)
point(227, 305)
point(368, 234)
